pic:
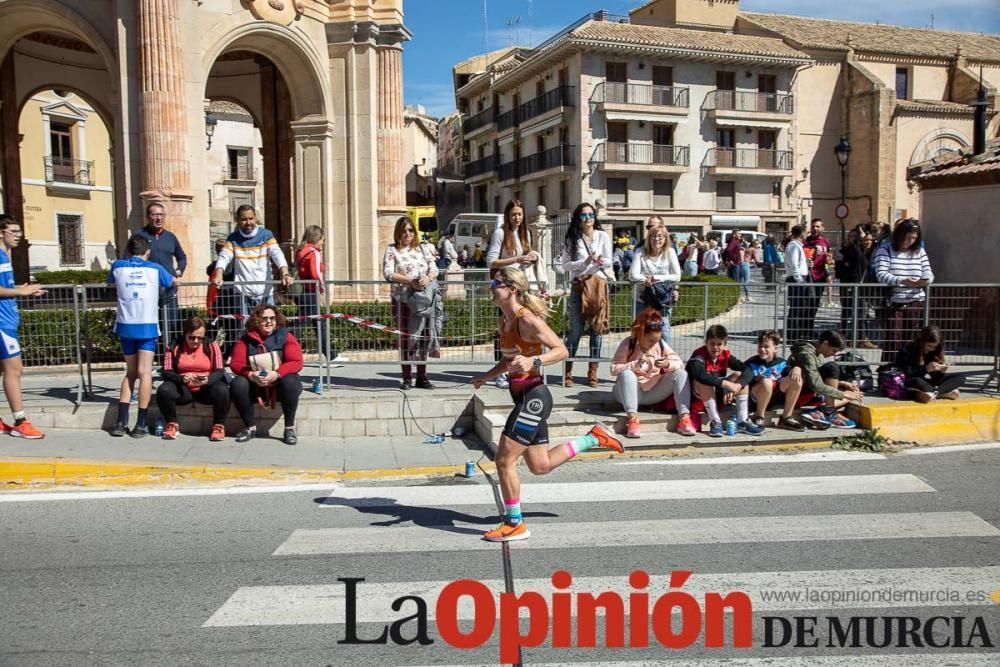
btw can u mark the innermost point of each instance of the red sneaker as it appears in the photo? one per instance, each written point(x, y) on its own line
point(218, 433)
point(685, 426)
point(507, 533)
point(605, 438)
point(632, 430)
point(5, 427)
point(171, 431)
point(26, 430)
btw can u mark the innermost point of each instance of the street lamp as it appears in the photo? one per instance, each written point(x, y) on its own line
point(210, 122)
point(843, 151)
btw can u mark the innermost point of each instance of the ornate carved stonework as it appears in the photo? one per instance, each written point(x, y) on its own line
point(282, 12)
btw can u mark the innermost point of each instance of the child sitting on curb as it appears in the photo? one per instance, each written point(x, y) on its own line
point(774, 383)
point(713, 384)
point(922, 360)
point(823, 379)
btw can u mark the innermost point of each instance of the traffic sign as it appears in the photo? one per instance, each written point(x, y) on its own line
point(841, 211)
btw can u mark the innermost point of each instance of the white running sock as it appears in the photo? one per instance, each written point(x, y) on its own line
point(712, 410)
point(742, 407)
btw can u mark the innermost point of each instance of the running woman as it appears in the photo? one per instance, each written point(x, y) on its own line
point(10, 319)
point(523, 337)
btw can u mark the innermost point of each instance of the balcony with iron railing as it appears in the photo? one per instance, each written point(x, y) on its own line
point(508, 171)
point(507, 120)
point(614, 96)
point(478, 121)
point(482, 166)
point(748, 161)
point(65, 171)
point(232, 175)
point(641, 156)
point(749, 105)
point(563, 96)
point(563, 155)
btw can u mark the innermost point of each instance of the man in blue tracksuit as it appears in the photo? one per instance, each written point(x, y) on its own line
point(165, 250)
point(11, 365)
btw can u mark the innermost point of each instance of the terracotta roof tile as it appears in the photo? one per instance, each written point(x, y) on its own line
point(964, 164)
point(705, 40)
point(827, 34)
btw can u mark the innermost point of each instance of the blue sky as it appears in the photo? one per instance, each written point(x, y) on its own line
point(446, 32)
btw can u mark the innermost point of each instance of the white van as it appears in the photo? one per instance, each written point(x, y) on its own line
point(472, 228)
point(748, 236)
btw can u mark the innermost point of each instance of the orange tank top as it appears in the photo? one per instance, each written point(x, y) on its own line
point(511, 344)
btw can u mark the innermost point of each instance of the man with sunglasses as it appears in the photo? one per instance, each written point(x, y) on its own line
point(11, 366)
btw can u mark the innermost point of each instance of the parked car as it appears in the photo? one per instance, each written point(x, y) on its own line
point(472, 228)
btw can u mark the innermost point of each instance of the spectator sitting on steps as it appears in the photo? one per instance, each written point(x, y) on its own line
point(822, 379)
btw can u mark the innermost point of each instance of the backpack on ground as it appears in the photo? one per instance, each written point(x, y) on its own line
point(892, 382)
point(854, 368)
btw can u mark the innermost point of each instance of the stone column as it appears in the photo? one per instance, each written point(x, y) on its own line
point(165, 167)
point(391, 177)
point(10, 153)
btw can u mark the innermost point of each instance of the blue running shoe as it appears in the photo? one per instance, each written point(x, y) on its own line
point(749, 428)
point(715, 429)
point(816, 419)
point(838, 420)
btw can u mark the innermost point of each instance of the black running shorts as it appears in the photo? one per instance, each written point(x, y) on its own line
point(526, 424)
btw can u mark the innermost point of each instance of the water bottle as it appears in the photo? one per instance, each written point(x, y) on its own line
point(470, 468)
point(158, 427)
point(318, 386)
point(730, 427)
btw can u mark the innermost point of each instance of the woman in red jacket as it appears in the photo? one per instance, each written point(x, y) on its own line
point(309, 265)
point(193, 371)
point(266, 362)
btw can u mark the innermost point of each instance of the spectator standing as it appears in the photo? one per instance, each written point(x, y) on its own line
point(922, 360)
point(586, 256)
point(798, 325)
point(11, 364)
point(220, 302)
point(252, 249)
point(713, 258)
point(733, 255)
point(409, 267)
point(267, 361)
point(749, 261)
point(193, 371)
point(853, 270)
point(165, 250)
point(312, 300)
point(655, 263)
point(902, 265)
point(448, 254)
point(647, 372)
point(691, 253)
point(771, 259)
point(137, 282)
point(817, 250)
point(510, 245)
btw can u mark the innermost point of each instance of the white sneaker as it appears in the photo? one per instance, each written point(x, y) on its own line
point(338, 358)
point(502, 382)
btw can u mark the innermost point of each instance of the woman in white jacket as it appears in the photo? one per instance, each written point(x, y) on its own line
point(656, 262)
point(586, 252)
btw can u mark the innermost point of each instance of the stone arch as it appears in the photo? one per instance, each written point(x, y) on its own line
point(19, 18)
point(919, 153)
point(292, 53)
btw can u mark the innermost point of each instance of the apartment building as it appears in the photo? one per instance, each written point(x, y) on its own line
point(714, 118)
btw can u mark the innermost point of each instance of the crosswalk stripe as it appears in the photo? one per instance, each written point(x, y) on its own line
point(945, 449)
point(731, 530)
point(806, 457)
point(770, 591)
point(586, 492)
point(878, 660)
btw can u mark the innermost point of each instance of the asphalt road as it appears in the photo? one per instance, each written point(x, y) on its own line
point(252, 579)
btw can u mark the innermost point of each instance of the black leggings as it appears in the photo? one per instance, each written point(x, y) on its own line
point(170, 395)
point(936, 381)
point(245, 395)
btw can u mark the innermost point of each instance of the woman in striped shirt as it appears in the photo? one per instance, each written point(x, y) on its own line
point(901, 263)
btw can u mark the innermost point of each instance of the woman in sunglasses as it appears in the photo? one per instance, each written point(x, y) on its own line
point(524, 335)
point(587, 257)
point(193, 371)
point(267, 361)
point(647, 372)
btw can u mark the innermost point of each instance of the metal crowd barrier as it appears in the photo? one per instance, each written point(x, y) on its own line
point(70, 328)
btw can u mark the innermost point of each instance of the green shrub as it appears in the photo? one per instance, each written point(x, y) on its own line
point(70, 277)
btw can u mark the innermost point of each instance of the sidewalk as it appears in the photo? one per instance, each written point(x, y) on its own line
point(75, 452)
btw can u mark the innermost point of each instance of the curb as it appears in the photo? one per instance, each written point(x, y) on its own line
point(43, 473)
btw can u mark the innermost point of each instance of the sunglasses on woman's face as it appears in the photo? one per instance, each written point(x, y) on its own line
point(195, 338)
point(588, 216)
point(655, 325)
point(497, 284)
point(268, 318)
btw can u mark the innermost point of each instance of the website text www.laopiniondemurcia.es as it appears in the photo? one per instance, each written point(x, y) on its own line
point(634, 620)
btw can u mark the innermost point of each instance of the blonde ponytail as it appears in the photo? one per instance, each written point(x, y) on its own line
point(519, 281)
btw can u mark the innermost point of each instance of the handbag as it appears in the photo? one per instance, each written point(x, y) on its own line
point(892, 382)
point(658, 295)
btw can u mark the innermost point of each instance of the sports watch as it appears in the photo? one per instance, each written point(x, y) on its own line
point(537, 363)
